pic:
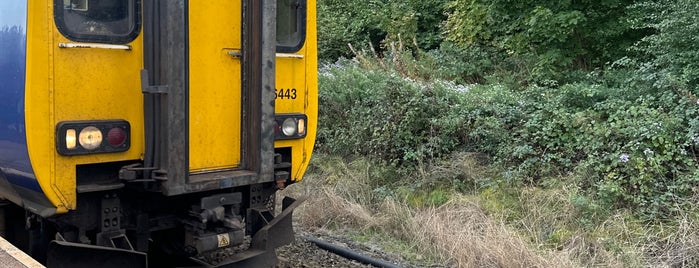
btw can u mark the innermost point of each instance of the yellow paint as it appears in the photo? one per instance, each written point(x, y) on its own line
point(38, 100)
point(97, 84)
point(302, 74)
point(75, 84)
point(311, 103)
point(214, 85)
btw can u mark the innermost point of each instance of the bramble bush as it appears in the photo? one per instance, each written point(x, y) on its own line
point(628, 131)
point(378, 113)
point(404, 109)
point(629, 151)
point(630, 147)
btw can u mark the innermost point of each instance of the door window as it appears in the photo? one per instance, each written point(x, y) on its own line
point(291, 25)
point(104, 21)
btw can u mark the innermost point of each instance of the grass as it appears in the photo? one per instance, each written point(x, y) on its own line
point(561, 197)
point(484, 225)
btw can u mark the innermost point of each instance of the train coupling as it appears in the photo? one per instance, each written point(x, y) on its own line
point(273, 233)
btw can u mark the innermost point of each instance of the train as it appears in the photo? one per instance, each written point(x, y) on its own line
point(154, 133)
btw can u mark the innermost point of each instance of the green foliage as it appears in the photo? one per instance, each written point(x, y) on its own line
point(525, 42)
point(415, 23)
point(552, 36)
point(585, 113)
point(635, 151)
point(385, 115)
point(628, 130)
point(461, 65)
point(650, 168)
point(632, 146)
point(672, 51)
point(346, 22)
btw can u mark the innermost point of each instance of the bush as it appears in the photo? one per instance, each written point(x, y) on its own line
point(386, 116)
point(628, 131)
point(632, 146)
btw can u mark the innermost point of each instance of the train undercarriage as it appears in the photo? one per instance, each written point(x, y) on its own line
point(122, 228)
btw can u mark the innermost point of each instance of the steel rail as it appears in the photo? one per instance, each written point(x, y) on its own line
point(349, 253)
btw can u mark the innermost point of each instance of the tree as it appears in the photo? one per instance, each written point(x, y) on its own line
point(670, 55)
point(376, 23)
point(556, 36)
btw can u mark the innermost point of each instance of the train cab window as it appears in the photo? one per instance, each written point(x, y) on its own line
point(103, 21)
point(291, 25)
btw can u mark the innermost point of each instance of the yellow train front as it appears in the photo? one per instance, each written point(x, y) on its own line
point(134, 129)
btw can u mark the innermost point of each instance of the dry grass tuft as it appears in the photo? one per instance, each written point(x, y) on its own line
point(679, 248)
point(462, 233)
point(331, 209)
point(458, 233)
point(531, 228)
point(339, 195)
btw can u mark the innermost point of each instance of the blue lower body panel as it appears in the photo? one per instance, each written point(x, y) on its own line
point(17, 180)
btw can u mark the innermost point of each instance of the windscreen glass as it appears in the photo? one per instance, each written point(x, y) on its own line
point(291, 25)
point(104, 21)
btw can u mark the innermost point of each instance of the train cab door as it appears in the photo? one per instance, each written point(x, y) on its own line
point(209, 99)
point(215, 95)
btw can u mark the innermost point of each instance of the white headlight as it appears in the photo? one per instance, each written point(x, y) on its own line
point(289, 127)
point(90, 138)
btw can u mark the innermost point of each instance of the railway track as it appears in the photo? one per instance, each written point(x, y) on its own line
point(312, 251)
point(350, 253)
point(306, 251)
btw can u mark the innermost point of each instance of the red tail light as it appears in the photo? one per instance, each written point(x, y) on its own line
point(102, 136)
point(116, 136)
